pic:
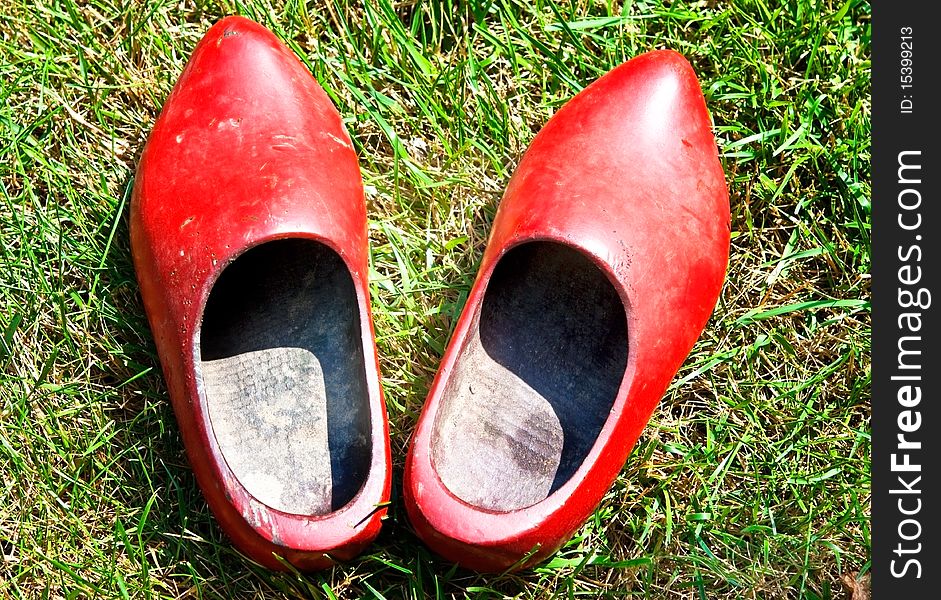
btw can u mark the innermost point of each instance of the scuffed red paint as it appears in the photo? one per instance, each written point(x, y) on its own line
point(217, 178)
point(627, 172)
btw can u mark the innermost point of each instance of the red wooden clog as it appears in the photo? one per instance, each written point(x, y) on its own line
point(248, 230)
point(605, 261)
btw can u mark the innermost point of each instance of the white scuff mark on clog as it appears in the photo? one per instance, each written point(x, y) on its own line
point(179, 138)
point(284, 142)
point(339, 140)
point(230, 122)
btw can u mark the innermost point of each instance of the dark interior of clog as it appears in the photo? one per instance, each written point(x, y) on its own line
point(284, 378)
point(535, 381)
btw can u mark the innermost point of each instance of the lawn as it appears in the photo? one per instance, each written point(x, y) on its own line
point(752, 479)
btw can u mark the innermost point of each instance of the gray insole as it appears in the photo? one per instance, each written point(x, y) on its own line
point(535, 381)
point(284, 377)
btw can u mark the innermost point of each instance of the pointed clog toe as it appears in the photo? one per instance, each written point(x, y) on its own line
point(248, 232)
point(605, 261)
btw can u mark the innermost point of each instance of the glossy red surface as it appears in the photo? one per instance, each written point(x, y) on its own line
point(627, 172)
point(249, 149)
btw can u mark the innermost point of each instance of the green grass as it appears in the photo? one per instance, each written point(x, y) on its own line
point(752, 478)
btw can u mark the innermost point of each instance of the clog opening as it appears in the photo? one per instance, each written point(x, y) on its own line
point(283, 371)
point(535, 381)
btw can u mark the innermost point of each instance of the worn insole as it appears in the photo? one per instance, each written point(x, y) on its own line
point(535, 380)
point(284, 378)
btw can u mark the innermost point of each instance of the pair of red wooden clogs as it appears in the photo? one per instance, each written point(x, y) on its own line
point(248, 230)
